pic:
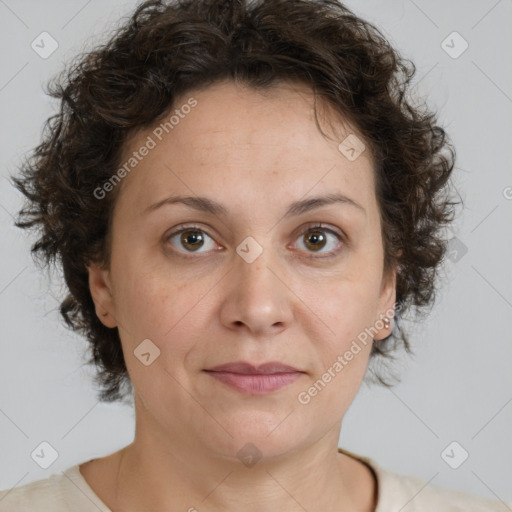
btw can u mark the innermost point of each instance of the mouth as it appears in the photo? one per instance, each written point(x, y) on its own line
point(252, 380)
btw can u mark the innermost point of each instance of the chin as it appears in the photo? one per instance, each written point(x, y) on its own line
point(266, 434)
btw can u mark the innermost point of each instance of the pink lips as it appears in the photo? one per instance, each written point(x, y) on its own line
point(252, 380)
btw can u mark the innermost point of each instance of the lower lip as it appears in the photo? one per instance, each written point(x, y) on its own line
point(256, 384)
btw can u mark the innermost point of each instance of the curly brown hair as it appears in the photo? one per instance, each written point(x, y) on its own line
point(166, 49)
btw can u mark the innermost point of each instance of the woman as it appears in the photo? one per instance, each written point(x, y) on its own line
point(245, 205)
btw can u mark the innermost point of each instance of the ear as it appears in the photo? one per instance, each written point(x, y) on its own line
point(387, 300)
point(101, 292)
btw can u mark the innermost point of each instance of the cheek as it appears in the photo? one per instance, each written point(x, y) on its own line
point(343, 349)
point(154, 304)
point(148, 303)
point(345, 308)
point(163, 314)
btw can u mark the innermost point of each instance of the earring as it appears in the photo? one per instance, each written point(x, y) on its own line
point(387, 322)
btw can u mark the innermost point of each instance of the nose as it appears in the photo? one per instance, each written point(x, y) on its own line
point(258, 299)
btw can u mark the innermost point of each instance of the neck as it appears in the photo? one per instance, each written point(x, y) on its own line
point(184, 473)
point(314, 478)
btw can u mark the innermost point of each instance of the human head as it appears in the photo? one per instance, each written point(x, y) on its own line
point(167, 49)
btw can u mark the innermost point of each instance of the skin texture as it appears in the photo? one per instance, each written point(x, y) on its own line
point(254, 152)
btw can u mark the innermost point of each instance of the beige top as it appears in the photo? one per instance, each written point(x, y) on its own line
point(69, 491)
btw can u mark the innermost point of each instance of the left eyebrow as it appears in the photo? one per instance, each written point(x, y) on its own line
point(206, 205)
point(306, 205)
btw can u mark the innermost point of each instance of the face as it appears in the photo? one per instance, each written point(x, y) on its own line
point(252, 280)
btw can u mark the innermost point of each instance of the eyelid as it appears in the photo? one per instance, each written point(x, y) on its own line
point(310, 226)
point(301, 231)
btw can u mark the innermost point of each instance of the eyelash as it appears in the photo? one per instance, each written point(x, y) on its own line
point(308, 229)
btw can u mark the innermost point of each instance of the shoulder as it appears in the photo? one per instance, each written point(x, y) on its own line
point(412, 494)
point(59, 492)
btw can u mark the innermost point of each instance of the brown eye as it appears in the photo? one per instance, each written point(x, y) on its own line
point(316, 238)
point(191, 240)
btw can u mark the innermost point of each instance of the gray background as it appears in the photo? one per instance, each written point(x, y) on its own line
point(459, 385)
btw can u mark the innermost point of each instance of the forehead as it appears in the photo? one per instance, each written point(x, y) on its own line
point(242, 145)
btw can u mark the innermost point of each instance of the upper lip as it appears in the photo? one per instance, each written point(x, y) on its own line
point(249, 369)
